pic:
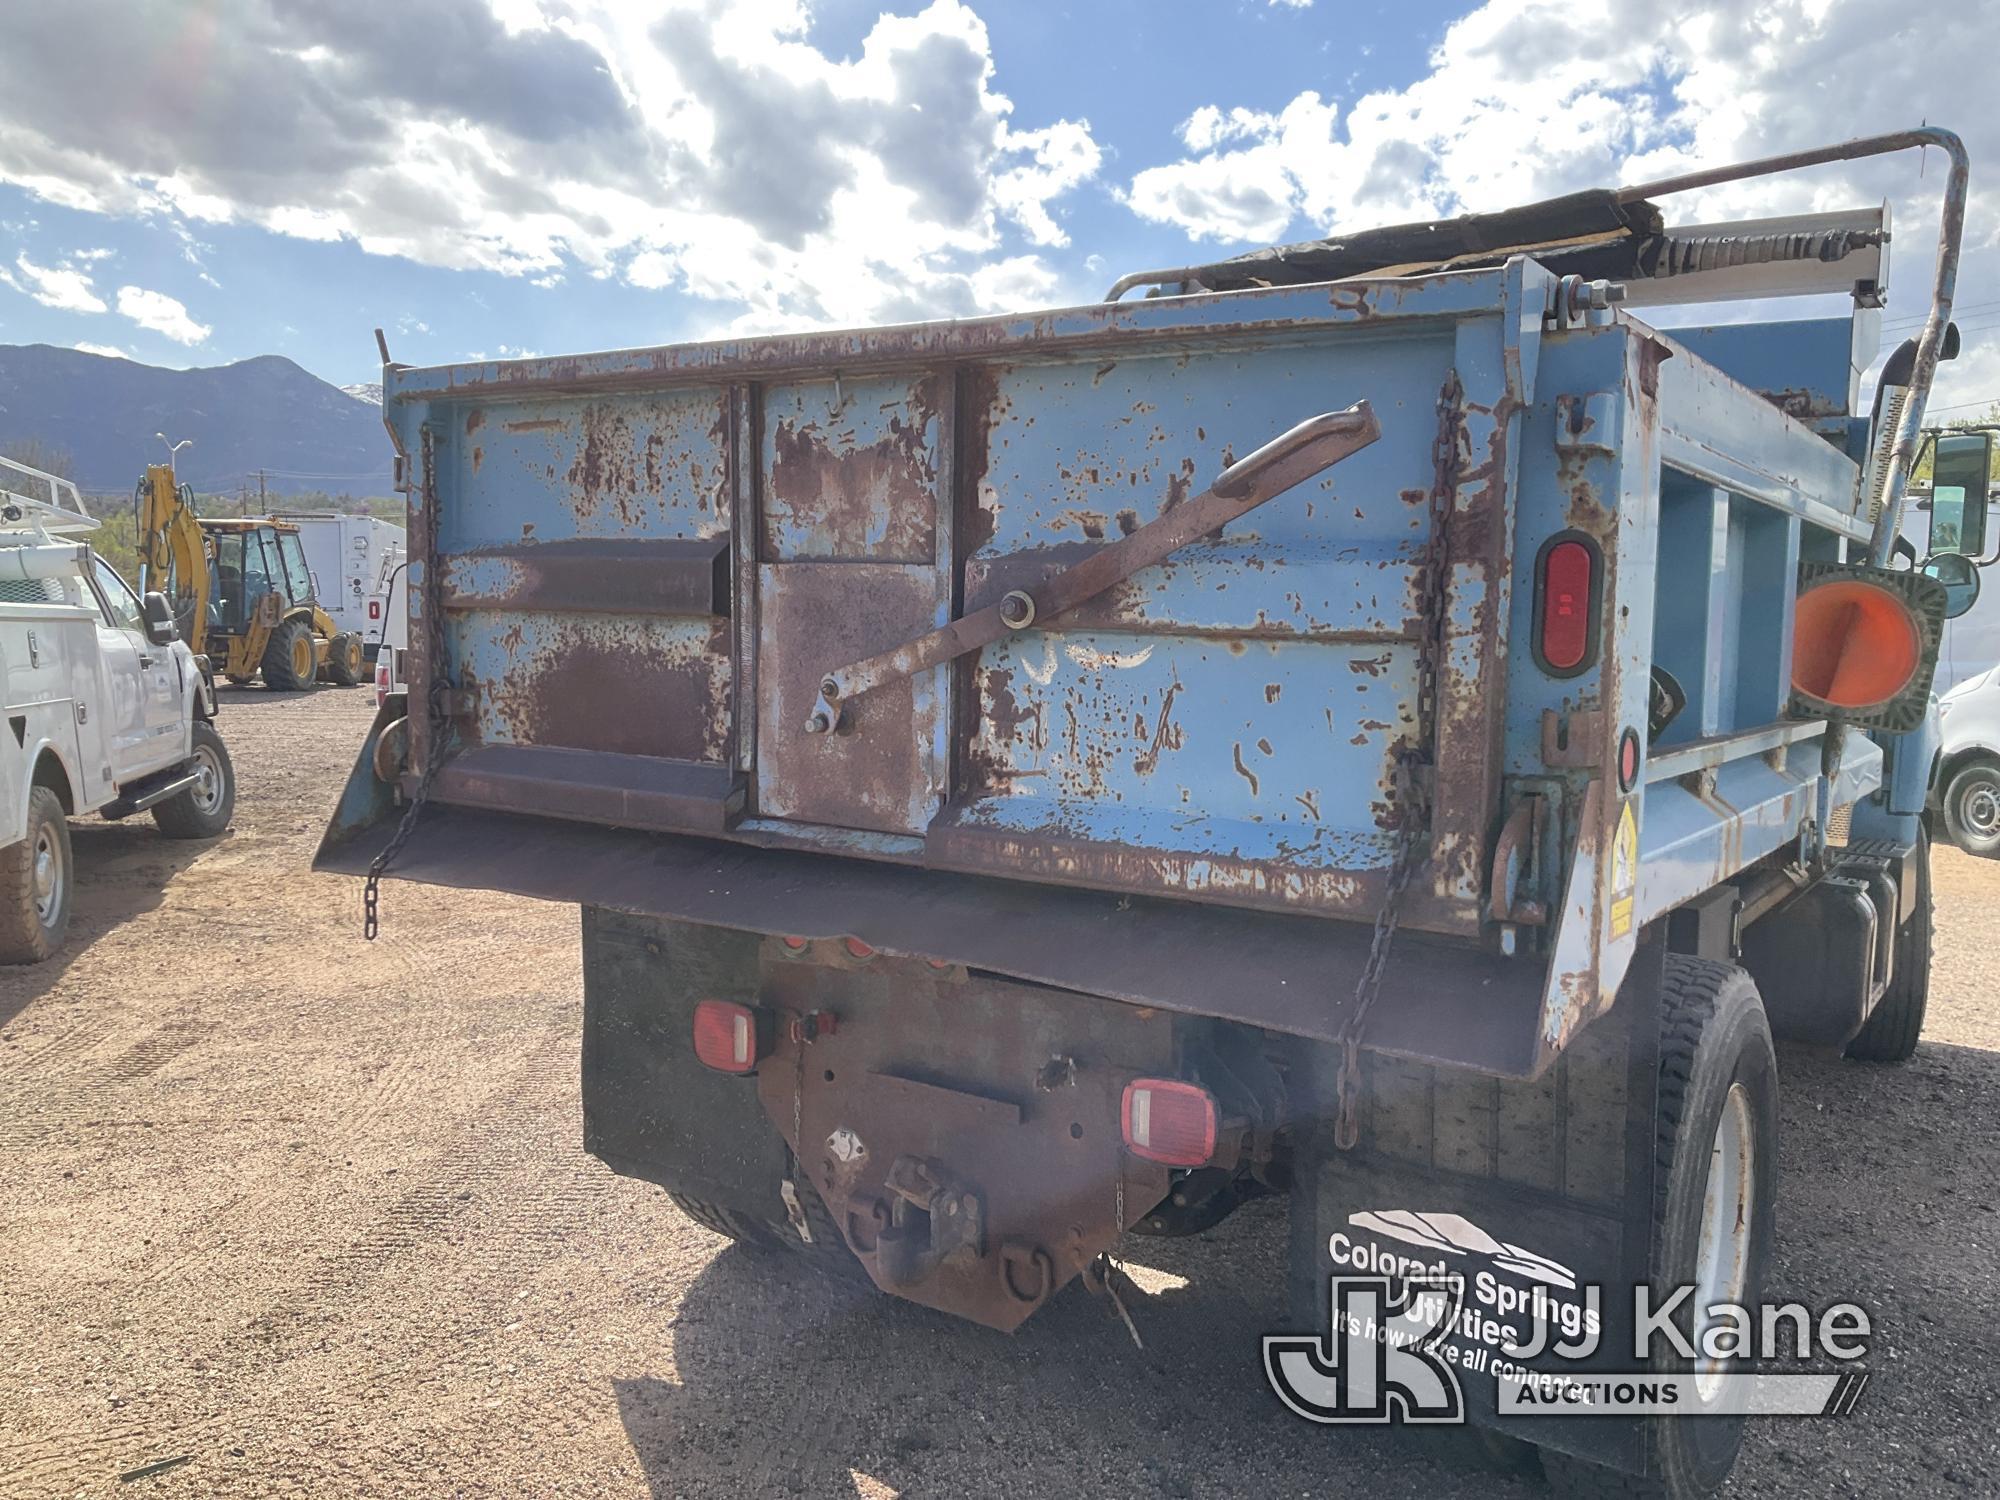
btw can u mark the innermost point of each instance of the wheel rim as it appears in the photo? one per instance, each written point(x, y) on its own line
point(1722, 1257)
point(207, 789)
point(302, 657)
point(50, 876)
point(1979, 809)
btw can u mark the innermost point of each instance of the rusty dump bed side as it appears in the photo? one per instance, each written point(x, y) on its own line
point(803, 635)
point(646, 564)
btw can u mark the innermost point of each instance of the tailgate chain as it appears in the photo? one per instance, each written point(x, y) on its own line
point(436, 699)
point(1415, 762)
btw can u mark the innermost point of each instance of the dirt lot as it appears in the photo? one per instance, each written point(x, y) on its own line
point(313, 1215)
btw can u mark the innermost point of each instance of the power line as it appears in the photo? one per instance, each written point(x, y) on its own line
point(1962, 405)
point(1912, 320)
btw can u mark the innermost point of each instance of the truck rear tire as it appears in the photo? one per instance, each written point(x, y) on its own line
point(1971, 807)
point(344, 666)
point(828, 1250)
point(203, 810)
point(1890, 1033)
point(726, 1222)
point(289, 664)
point(1716, 1137)
point(36, 878)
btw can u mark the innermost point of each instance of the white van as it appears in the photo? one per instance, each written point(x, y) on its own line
point(351, 558)
point(107, 709)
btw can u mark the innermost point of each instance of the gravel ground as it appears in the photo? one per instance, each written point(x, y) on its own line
point(312, 1215)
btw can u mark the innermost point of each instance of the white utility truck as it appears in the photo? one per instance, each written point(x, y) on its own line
point(108, 711)
point(351, 558)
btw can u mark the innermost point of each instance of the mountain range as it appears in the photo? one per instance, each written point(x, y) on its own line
point(263, 414)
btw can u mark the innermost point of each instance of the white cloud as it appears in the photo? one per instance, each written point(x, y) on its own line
point(158, 313)
point(63, 287)
point(1525, 99)
point(1529, 98)
point(698, 143)
point(109, 351)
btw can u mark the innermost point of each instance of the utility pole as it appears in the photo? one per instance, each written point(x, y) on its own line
point(263, 508)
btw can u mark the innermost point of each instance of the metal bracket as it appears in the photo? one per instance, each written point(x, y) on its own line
point(1289, 459)
point(1588, 424)
point(1573, 742)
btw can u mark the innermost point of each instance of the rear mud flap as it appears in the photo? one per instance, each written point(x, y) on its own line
point(1528, 1192)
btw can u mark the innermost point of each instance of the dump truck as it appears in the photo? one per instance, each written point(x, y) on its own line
point(1374, 721)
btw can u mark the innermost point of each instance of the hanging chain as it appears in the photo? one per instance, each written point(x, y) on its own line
point(437, 699)
point(1415, 766)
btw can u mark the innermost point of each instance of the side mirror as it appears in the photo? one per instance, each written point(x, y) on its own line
point(159, 615)
point(1960, 577)
point(1960, 465)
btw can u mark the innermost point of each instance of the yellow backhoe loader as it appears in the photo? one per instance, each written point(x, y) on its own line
point(241, 591)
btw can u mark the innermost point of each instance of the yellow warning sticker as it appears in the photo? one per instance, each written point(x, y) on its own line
point(1624, 869)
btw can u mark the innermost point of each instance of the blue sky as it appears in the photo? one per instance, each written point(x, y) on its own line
point(200, 181)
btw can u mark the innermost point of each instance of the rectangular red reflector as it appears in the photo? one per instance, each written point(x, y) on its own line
point(1167, 1121)
point(725, 1036)
point(1567, 605)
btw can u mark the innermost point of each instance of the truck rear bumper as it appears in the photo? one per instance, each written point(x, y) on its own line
point(1439, 1003)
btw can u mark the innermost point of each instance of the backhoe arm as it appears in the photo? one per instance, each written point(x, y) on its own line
point(173, 557)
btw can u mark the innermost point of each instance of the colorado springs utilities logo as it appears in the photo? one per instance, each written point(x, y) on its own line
point(1404, 1328)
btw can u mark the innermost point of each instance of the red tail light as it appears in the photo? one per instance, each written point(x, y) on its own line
point(725, 1036)
point(1566, 605)
point(1167, 1121)
point(381, 680)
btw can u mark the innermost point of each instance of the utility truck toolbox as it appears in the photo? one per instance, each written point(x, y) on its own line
point(1361, 721)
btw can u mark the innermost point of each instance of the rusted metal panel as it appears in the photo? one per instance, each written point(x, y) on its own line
point(625, 465)
point(632, 576)
point(1305, 450)
point(654, 685)
point(883, 770)
point(1226, 723)
point(850, 469)
point(1249, 771)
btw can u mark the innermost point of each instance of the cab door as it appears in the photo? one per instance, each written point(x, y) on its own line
point(145, 692)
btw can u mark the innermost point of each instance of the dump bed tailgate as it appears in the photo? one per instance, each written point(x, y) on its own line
point(642, 567)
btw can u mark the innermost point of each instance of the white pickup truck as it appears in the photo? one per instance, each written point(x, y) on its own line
point(107, 710)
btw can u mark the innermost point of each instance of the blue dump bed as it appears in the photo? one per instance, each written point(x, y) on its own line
point(637, 570)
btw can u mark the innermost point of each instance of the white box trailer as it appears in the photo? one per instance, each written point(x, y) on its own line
point(351, 558)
